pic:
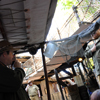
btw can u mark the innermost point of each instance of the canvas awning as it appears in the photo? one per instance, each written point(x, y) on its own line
point(25, 23)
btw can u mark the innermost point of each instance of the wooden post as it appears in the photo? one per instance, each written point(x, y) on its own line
point(55, 71)
point(45, 73)
point(80, 72)
point(35, 68)
point(74, 73)
point(78, 80)
point(84, 68)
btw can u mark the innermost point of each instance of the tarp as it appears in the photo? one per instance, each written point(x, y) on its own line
point(73, 44)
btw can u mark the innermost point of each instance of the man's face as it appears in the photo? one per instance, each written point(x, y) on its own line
point(30, 84)
point(97, 34)
point(9, 57)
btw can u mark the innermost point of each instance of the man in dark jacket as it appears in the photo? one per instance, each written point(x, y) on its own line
point(10, 80)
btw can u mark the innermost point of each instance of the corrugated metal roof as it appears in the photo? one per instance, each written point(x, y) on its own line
point(25, 22)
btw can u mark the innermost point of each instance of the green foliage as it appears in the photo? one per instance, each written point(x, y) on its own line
point(88, 9)
point(85, 6)
point(67, 4)
point(90, 63)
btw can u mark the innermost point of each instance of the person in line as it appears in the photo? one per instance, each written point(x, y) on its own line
point(33, 91)
point(10, 80)
point(94, 52)
point(95, 95)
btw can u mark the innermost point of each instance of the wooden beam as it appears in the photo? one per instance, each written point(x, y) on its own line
point(3, 32)
point(63, 78)
point(67, 72)
point(74, 73)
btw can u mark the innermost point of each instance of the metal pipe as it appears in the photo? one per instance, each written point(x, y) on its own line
point(55, 71)
point(45, 73)
point(76, 14)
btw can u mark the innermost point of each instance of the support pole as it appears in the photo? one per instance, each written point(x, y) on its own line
point(74, 73)
point(76, 14)
point(56, 73)
point(80, 71)
point(45, 73)
point(84, 68)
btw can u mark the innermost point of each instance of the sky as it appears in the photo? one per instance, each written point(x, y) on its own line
point(58, 20)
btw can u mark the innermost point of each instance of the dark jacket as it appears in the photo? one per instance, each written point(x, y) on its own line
point(11, 84)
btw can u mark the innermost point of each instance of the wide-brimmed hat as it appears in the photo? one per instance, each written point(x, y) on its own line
point(6, 46)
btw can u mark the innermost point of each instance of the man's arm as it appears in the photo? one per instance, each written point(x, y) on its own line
point(89, 53)
point(39, 93)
